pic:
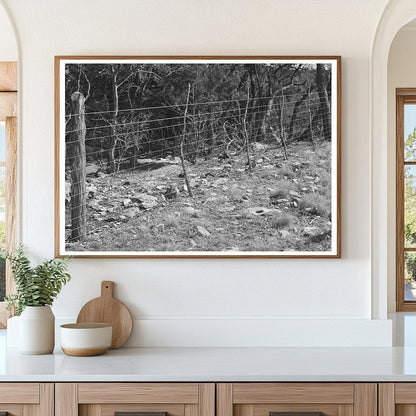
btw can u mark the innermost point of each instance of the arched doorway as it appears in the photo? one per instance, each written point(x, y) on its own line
point(395, 16)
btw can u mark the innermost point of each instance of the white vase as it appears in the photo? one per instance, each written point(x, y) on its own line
point(37, 330)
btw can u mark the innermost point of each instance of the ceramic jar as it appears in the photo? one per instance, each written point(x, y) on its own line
point(37, 330)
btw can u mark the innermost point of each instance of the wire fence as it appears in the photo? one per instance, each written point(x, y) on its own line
point(112, 142)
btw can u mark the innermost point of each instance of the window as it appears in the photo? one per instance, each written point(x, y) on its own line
point(8, 165)
point(406, 199)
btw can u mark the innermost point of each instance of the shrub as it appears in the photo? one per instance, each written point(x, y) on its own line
point(280, 222)
point(315, 204)
point(281, 189)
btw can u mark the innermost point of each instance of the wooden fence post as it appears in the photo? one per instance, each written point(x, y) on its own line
point(78, 161)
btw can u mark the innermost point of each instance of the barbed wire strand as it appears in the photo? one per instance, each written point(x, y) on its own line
point(181, 116)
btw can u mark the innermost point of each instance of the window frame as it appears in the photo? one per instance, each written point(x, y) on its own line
point(8, 113)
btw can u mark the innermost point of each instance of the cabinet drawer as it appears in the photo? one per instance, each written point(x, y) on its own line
point(297, 399)
point(145, 399)
point(21, 399)
point(397, 399)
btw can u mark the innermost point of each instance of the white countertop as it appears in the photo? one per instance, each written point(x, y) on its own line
point(215, 364)
point(221, 364)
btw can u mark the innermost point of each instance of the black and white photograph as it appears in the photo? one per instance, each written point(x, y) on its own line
point(198, 157)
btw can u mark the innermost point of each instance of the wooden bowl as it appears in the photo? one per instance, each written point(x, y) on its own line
point(84, 340)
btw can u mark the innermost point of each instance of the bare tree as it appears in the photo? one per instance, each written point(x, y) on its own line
point(185, 174)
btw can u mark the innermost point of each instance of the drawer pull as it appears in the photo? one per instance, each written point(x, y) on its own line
point(140, 414)
point(295, 413)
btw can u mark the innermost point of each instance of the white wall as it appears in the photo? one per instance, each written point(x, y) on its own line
point(401, 74)
point(248, 302)
point(8, 47)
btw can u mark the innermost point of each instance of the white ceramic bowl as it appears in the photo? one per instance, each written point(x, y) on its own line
point(84, 340)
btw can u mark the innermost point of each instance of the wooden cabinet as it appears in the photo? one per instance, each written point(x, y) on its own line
point(267, 399)
point(208, 399)
point(27, 399)
point(108, 399)
point(397, 399)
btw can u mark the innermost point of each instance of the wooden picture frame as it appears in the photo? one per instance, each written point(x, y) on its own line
point(198, 156)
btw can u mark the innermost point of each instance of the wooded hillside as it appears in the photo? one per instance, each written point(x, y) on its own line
point(168, 148)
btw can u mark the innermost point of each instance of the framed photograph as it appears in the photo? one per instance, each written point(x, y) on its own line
point(198, 156)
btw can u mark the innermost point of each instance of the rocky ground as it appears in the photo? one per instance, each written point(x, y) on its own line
point(281, 205)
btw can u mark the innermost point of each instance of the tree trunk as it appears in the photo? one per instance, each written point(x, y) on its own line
point(246, 135)
point(282, 127)
point(295, 114)
point(324, 106)
point(185, 174)
point(77, 156)
point(310, 119)
point(113, 138)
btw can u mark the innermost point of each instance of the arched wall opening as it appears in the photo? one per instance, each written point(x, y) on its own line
point(396, 15)
point(401, 74)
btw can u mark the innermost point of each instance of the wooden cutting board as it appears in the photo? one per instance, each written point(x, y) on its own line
point(108, 310)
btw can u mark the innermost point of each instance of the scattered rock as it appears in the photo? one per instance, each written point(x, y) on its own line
point(284, 233)
point(262, 211)
point(172, 192)
point(280, 201)
point(309, 231)
point(91, 190)
point(67, 192)
point(315, 234)
point(160, 227)
point(277, 193)
point(126, 202)
point(145, 201)
point(110, 218)
point(92, 170)
point(228, 209)
point(132, 212)
point(317, 238)
point(203, 231)
point(211, 199)
point(96, 206)
point(151, 164)
point(294, 195)
point(189, 210)
point(258, 147)
point(192, 183)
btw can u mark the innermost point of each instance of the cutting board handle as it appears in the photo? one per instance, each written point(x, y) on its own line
point(107, 288)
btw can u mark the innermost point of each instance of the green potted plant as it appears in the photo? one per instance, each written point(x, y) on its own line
point(36, 289)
